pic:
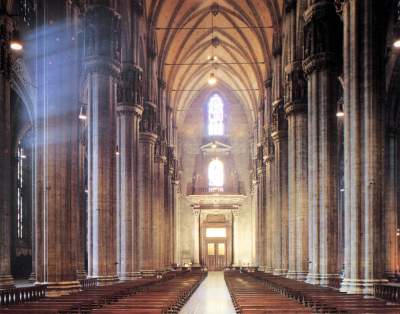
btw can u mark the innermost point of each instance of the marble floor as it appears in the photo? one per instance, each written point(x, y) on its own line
point(211, 297)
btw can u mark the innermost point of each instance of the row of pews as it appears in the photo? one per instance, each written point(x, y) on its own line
point(145, 295)
point(163, 297)
point(251, 296)
point(324, 299)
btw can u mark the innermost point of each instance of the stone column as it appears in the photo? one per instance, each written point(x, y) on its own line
point(196, 230)
point(147, 140)
point(320, 66)
point(177, 223)
point(57, 217)
point(80, 263)
point(260, 209)
point(296, 113)
point(129, 111)
point(102, 48)
point(281, 202)
point(253, 195)
point(268, 189)
point(236, 238)
point(279, 138)
point(161, 222)
point(6, 279)
point(391, 201)
point(269, 224)
point(363, 145)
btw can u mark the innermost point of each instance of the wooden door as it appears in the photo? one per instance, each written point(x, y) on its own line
point(216, 255)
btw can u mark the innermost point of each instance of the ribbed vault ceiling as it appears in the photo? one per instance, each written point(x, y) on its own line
point(242, 32)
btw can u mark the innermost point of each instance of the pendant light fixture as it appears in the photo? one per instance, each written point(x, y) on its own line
point(212, 79)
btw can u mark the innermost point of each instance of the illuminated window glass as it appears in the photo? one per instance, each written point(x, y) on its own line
point(216, 232)
point(215, 174)
point(20, 182)
point(215, 116)
point(221, 249)
point(210, 249)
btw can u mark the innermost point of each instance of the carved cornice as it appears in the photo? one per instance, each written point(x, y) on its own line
point(268, 83)
point(102, 33)
point(161, 83)
point(320, 62)
point(278, 136)
point(318, 10)
point(293, 108)
point(295, 86)
point(148, 137)
point(101, 66)
point(124, 109)
point(276, 44)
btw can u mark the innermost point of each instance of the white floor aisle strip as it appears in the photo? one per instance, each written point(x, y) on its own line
point(211, 297)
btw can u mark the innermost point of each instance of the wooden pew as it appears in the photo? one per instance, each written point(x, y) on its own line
point(250, 296)
point(163, 297)
point(324, 299)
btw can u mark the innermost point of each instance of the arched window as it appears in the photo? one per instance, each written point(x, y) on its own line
point(215, 176)
point(215, 116)
point(20, 191)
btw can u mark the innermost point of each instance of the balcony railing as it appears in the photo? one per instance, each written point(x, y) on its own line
point(23, 294)
point(389, 292)
point(230, 190)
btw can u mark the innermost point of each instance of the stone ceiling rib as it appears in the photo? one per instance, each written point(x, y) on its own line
point(245, 38)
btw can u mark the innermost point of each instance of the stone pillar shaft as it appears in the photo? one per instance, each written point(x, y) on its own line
point(128, 134)
point(6, 279)
point(236, 238)
point(196, 230)
point(281, 203)
point(147, 255)
point(363, 143)
point(320, 68)
point(391, 201)
point(102, 29)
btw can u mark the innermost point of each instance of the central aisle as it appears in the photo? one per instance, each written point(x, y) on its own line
point(211, 297)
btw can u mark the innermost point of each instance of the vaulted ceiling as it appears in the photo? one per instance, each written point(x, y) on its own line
point(239, 33)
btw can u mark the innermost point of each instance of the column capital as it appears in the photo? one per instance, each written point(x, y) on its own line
point(280, 135)
point(319, 62)
point(268, 83)
point(196, 212)
point(295, 88)
point(124, 109)
point(148, 137)
point(235, 212)
point(321, 42)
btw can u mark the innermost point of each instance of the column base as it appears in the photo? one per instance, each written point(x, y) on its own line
point(312, 279)
point(148, 272)
point(279, 272)
point(56, 289)
point(6, 281)
point(130, 276)
point(107, 280)
point(291, 274)
point(81, 274)
point(269, 270)
point(360, 286)
point(301, 276)
point(32, 277)
point(328, 279)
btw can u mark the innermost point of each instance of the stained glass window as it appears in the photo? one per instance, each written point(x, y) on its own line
point(215, 116)
point(215, 174)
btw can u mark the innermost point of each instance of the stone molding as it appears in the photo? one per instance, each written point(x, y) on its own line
point(125, 109)
point(148, 137)
point(99, 65)
point(319, 62)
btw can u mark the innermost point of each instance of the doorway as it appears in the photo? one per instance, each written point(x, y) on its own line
point(216, 248)
point(216, 255)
